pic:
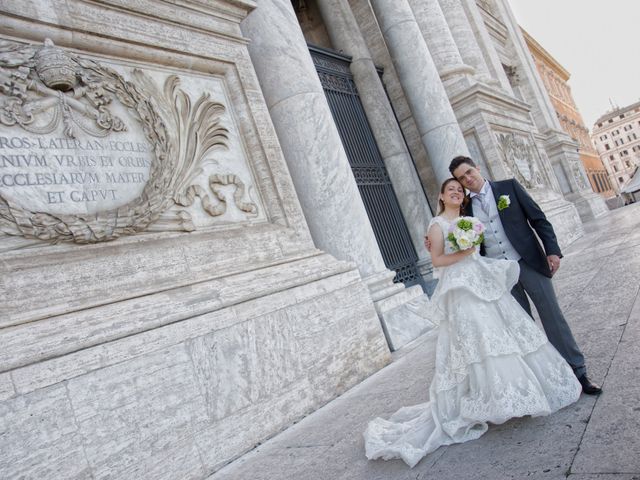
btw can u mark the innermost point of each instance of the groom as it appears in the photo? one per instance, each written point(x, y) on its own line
point(511, 216)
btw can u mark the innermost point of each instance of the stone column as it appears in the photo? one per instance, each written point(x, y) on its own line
point(440, 42)
point(312, 147)
point(427, 98)
point(464, 37)
point(346, 36)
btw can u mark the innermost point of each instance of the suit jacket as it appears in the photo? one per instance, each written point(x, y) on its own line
point(521, 220)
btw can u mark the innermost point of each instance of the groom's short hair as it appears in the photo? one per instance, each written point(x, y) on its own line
point(456, 162)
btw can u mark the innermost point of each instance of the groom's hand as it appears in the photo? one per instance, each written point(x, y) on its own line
point(427, 243)
point(554, 263)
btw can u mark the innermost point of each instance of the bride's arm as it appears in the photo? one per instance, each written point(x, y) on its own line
point(438, 257)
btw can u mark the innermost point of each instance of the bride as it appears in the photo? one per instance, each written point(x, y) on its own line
point(492, 362)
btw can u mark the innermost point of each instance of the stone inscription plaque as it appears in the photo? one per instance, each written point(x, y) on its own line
point(89, 152)
point(61, 175)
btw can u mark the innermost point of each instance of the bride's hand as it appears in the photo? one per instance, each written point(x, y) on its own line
point(469, 251)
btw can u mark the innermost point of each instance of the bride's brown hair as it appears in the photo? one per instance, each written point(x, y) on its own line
point(463, 205)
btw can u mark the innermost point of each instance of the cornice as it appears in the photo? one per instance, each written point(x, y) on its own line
point(490, 95)
point(536, 48)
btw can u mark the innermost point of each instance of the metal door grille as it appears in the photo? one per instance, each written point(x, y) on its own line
point(367, 165)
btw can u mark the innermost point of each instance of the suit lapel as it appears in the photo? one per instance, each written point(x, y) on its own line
point(496, 196)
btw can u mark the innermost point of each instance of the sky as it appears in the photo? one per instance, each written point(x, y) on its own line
point(596, 41)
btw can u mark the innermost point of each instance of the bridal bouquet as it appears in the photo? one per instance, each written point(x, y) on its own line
point(466, 232)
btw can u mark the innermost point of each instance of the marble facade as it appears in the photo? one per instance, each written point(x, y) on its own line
point(160, 288)
point(186, 264)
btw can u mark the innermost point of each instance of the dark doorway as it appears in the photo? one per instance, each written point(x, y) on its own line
point(367, 165)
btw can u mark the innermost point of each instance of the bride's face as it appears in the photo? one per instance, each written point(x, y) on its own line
point(453, 194)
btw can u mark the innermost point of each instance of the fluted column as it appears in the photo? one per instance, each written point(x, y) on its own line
point(346, 36)
point(440, 41)
point(464, 37)
point(427, 98)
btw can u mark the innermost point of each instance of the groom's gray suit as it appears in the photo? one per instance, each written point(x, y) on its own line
point(519, 220)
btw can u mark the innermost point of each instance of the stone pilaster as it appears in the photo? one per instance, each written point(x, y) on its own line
point(485, 44)
point(437, 125)
point(569, 170)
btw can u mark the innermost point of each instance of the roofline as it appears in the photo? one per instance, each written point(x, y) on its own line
point(616, 112)
point(534, 45)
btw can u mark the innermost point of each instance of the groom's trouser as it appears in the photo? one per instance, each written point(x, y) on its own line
point(540, 290)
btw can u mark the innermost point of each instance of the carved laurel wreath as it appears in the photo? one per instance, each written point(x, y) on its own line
point(182, 134)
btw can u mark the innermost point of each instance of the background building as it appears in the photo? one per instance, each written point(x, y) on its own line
point(616, 135)
point(555, 77)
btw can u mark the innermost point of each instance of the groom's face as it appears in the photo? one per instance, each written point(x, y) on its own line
point(469, 177)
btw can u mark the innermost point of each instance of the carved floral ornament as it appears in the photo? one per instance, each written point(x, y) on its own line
point(41, 86)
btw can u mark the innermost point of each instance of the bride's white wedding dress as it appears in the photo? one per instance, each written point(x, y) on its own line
point(492, 364)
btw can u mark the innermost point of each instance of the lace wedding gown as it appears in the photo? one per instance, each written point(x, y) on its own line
point(492, 364)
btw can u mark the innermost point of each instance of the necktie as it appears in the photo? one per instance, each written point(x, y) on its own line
point(484, 202)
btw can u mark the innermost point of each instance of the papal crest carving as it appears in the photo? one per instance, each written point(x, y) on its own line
point(519, 157)
point(45, 90)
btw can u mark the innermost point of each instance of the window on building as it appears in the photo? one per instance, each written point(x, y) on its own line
point(615, 168)
point(611, 157)
point(607, 147)
point(627, 163)
point(620, 180)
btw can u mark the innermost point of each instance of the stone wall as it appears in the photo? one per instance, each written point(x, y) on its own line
point(163, 328)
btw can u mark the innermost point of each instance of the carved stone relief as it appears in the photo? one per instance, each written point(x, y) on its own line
point(87, 155)
point(519, 156)
point(512, 74)
point(578, 175)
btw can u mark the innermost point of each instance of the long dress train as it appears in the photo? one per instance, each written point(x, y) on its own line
point(492, 364)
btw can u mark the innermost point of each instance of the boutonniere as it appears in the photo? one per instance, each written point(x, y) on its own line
point(503, 202)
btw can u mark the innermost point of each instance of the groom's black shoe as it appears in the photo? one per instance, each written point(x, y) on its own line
point(588, 386)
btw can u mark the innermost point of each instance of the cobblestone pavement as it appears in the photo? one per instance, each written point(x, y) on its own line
point(598, 438)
